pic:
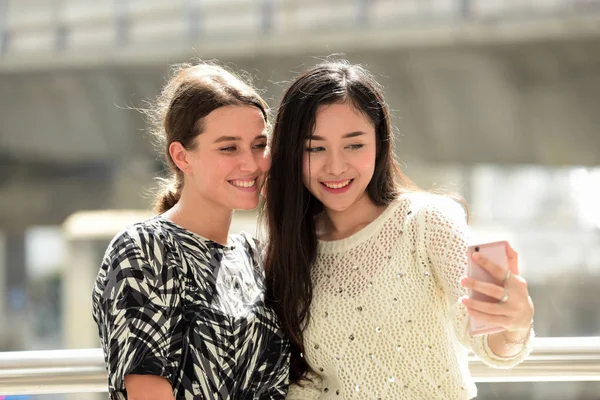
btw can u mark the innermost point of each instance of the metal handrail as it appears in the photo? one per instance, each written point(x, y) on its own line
point(82, 371)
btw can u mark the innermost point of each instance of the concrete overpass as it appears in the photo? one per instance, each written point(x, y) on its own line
point(468, 83)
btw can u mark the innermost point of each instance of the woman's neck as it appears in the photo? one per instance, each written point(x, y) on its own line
point(336, 225)
point(201, 216)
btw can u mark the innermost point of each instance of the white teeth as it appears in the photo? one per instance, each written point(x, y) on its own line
point(245, 184)
point(337, 185)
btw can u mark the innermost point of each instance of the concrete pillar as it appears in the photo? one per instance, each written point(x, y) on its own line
point(81, 268)
point(15, 283)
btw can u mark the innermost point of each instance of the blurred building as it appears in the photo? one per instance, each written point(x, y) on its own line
point(497, 100)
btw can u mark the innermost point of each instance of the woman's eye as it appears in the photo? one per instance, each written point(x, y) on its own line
point(355, 146)
point(229, 149)
point(260, 146)
point(314, 149)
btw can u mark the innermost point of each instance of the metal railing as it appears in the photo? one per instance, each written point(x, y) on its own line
point(82, 371)
point(59, 25)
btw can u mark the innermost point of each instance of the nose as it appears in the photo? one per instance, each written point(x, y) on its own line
point(248, 162)
point(336, 163)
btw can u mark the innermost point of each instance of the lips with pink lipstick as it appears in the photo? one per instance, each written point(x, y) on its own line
point(246, 185)
point(337, 186)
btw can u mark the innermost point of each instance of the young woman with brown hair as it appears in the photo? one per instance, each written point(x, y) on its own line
point(178, 301)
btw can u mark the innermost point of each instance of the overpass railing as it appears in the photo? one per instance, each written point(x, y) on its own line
point(82, 371)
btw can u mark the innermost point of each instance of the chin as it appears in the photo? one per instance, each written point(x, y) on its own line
point(338, 209)
point(246, 205)
point(337, 206)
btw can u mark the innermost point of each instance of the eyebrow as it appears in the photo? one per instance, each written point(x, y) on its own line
point(346, 136)
point(236, 138)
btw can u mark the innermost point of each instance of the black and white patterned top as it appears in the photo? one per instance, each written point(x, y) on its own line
point(174, 304)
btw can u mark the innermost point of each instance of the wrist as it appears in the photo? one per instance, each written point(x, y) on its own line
point(520, 331)
point(517, 337)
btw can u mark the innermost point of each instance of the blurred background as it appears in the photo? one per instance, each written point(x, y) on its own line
point(498, 100)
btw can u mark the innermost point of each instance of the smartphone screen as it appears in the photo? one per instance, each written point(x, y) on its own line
point(495, 252)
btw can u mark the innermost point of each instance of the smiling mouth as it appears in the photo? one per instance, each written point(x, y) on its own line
point(337, 185)
point(243, 183)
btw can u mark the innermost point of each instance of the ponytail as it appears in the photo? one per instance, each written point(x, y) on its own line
point(169, 196)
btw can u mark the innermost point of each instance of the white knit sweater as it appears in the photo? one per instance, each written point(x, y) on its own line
point(385, 318)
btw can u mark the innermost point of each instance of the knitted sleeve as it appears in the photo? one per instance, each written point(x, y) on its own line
point(444, 237)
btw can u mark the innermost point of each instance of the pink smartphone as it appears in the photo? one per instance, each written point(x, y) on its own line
point(495, 252)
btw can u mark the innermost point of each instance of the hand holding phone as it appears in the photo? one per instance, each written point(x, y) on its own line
point(496, 253)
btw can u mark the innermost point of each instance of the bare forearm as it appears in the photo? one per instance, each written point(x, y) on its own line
point(148, 387)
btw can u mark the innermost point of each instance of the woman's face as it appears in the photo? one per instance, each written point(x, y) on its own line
point(230, 159)
point(339, 157)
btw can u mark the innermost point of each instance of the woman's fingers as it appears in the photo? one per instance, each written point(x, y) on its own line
point(489, 289)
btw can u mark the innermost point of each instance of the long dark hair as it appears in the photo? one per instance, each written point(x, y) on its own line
point(290, 208)
point(189, 96)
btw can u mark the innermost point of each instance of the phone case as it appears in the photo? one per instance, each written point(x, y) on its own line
point(495, 252)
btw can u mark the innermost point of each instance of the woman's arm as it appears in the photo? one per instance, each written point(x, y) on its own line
point(444, 237)
point(136, 305)
point(514, 314)
point(148, 387)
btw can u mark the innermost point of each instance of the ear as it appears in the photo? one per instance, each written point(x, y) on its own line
point(179, 156)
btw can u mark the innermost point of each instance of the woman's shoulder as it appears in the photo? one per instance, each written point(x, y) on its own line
point(135, 256)
point(142, 245)
point(432, 205)
point(140, 234)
